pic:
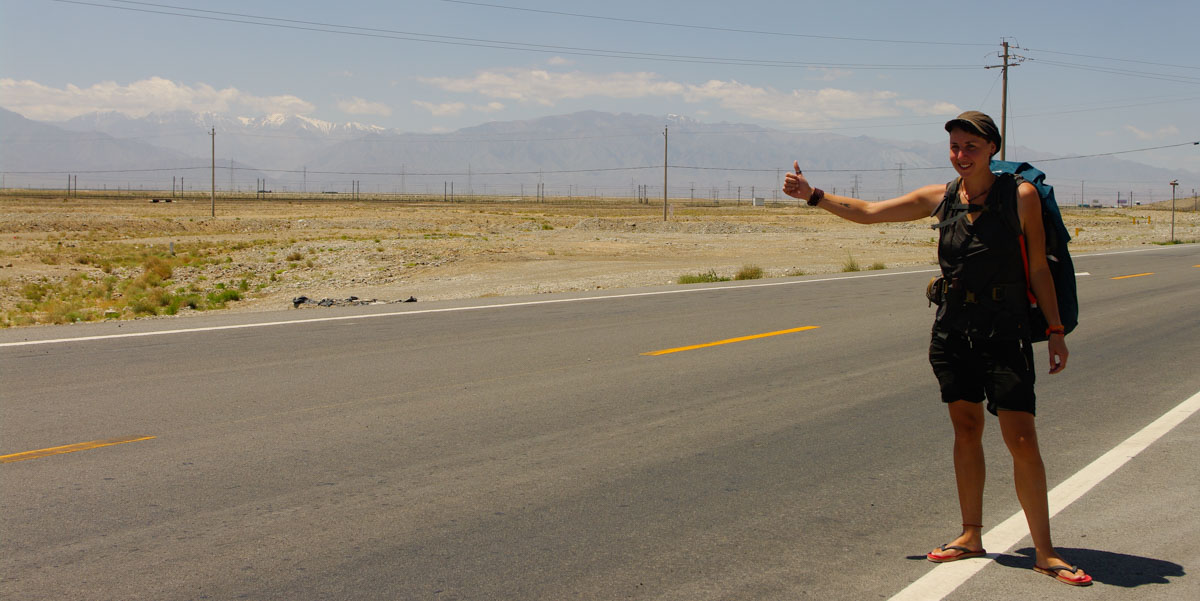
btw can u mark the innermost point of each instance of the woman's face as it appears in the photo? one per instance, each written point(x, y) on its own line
point(969, 153)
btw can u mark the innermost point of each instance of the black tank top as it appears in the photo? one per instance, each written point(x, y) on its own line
point(981, 260)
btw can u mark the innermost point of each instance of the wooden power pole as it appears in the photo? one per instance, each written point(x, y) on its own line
point(214, 171)
point(1004, 65)
point(664, 173)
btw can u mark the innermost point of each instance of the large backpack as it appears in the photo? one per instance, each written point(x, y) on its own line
point(1062, 269)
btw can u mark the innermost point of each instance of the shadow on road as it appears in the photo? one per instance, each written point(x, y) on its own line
point(1115, 569)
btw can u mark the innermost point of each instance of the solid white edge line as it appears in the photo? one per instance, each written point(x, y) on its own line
point(943, 579)
point(499, 306)
point(455, 309)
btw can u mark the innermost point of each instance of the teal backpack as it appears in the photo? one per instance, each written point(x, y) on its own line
point(1062, 269)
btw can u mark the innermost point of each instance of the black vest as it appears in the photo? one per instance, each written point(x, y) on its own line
point(982, 266)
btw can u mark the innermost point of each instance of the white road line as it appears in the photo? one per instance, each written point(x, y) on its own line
point(943, 579)
point(498, 306)
point(1120, 252)
point(456, 309)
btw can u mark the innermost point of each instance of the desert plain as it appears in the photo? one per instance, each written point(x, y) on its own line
point(66, 259)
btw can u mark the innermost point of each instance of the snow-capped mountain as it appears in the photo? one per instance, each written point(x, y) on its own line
point(271, 141)
point(580, 154)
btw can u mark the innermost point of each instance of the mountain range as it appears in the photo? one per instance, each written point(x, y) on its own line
point(582, 154)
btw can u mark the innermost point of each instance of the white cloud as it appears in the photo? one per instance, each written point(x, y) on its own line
point(1162, 132)
point(156, 94)
point(448, 109)
point(559, 61)
point(806, 107)
point(358, 106)
point(830, 74)
point(490, 107)
point(810, 108)
point(545, 88)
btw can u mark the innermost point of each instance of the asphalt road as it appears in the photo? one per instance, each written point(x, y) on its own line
point(531, 449)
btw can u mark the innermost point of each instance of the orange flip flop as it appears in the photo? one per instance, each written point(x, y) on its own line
point(1056, 573)
point(964, 553)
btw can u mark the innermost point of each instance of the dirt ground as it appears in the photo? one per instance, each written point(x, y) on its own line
point(279, 250)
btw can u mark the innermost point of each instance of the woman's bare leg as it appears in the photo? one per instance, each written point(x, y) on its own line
point(1029, 475)
point(969, 471)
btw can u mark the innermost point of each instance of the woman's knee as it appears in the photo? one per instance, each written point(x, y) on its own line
point(968, 420)
point(1020, 435)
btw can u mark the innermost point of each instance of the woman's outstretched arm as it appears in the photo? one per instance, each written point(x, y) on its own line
point(918, 204)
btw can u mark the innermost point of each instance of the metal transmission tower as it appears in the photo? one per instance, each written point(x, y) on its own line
point(1004, 65)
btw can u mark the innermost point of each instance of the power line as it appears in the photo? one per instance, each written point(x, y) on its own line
point(295, 24)
point(1109, 58)
point(711, 28)
point(1105, 154)
point(1114, 71)
point(558, 171)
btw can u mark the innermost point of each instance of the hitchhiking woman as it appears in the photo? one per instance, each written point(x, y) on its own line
point(980, 348)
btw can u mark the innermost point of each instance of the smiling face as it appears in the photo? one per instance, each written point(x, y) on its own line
point(970, 153)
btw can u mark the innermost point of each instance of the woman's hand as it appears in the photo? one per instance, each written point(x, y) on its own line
point(1057, 346)
point(796, 185)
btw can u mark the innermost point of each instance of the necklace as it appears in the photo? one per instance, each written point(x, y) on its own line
point(967, 197)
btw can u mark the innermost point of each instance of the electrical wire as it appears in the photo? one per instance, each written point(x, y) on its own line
point(560, 171)
point(1109, 58)
point(723, 29)
point(1125, 72)
point(351, 30)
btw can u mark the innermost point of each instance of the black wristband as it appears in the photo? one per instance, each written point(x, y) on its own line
point(816, 197)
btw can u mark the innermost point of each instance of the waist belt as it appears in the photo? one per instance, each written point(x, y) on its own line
point(953, 289)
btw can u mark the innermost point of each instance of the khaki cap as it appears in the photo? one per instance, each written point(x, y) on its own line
point(977, 123)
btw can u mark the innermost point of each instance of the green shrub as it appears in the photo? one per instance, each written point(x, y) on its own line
point(159, 267)
point(749, 272)
point(850, 264)
point(701, 278)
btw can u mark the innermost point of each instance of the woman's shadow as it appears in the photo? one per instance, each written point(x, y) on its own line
point(1116, 569)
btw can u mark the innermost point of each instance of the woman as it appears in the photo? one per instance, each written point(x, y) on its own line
point(981, 346)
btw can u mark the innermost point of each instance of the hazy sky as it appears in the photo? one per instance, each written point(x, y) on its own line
point(1100, 75)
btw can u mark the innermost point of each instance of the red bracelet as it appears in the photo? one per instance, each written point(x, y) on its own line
point(1056, 330)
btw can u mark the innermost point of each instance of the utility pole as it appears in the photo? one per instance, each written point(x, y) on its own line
point(901, 184)
point(1004, 93)
point(214, 171)
point(1174, 183)
point(664, 173)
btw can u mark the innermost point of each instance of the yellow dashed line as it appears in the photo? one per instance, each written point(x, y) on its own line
point(1136, 275)
point(729, 341)
point(71, 448)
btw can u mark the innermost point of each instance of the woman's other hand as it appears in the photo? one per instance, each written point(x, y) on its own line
point(1057, 346)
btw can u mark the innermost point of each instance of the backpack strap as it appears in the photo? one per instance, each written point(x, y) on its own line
point(950, 211)
point(1012, 216)
point(1004, 196)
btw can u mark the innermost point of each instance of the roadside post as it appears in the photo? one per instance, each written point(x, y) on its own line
point(1174, 183)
